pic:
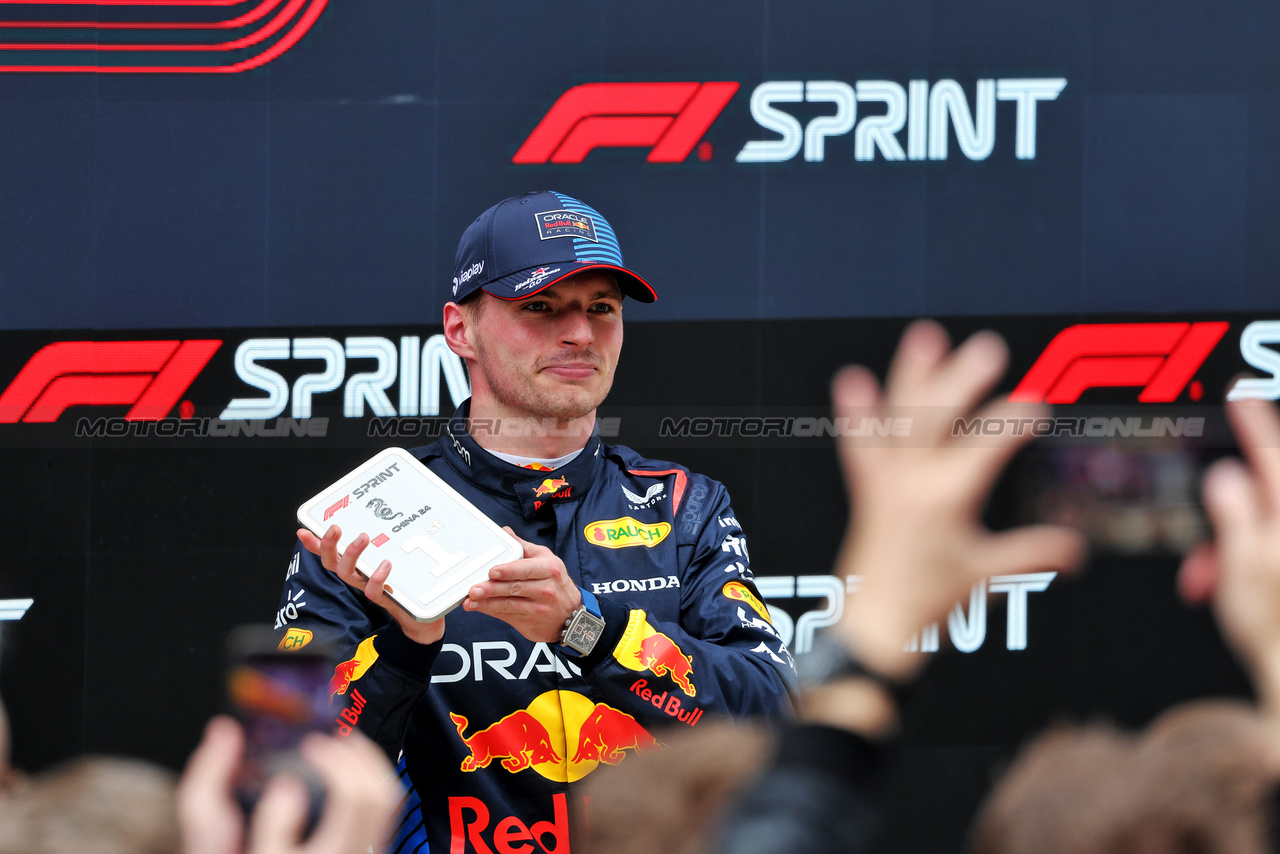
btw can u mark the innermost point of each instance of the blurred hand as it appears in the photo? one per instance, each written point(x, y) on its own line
point(1240, 570)
point(361, 798)
point(535, 594)
point(375, 587)
point(210, 819)
point(915, 533)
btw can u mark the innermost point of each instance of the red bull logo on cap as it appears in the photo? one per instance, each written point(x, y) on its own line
point(645, 648)
point(561, 735)
point(563, 223)
point(349, 671)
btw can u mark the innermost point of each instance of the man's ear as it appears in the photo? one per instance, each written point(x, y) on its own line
point(458, 330)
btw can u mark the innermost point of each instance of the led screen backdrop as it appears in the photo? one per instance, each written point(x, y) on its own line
point(227, 230)
point(870, 159)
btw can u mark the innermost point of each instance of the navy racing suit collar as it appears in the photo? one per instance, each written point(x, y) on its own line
point(536, 491)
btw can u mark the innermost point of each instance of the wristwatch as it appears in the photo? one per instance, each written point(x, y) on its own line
point(830, 659)
point(584, 627)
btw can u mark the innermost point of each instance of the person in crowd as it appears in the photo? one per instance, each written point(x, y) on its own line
point(672, 800)
point(1199, 780)
point(361, 796)
point(112, 805)
point(916, 540)
point(91, 805)
point(8, 774)
point(1203, 776)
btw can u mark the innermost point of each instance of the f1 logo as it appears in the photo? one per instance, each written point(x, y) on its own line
point(1161, 357)
point(346, 499)
point(150, 375)
point(14, 609)
point(670, 117)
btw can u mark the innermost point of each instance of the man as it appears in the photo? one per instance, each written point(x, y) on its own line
point(633, 609)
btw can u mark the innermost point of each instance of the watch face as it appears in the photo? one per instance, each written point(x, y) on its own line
point(583, 632)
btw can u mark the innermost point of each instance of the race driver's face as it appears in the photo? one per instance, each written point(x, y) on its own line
point(553, 354)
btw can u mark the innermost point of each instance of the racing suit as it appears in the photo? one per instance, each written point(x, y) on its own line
point(494, 727)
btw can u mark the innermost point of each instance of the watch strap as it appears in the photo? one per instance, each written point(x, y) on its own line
point(616, 617)
point(591, 603)
point(830, 659)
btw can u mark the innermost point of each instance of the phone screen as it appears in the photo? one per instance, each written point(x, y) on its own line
point(1128, 499)
point(278, 697)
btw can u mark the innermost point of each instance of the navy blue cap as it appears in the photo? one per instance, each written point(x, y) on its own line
point(526, 244)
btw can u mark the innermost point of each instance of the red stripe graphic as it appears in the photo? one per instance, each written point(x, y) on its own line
point(278, 29)
point(262, 10)
point(121, 2)
point(677, 491)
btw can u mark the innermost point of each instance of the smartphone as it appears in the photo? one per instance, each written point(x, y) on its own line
point(278, 697)
point(1133, 498)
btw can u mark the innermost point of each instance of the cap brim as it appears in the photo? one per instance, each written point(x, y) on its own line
point(521, 285)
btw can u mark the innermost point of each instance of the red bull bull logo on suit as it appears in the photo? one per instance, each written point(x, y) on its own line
point(562, 735)
point(550, 486)
point(349, 671)
point(645, 648)
point(608, 733)
point(551, 489)
point(519, 740)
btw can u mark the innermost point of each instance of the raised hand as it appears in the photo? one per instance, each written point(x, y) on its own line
point(915, 533)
